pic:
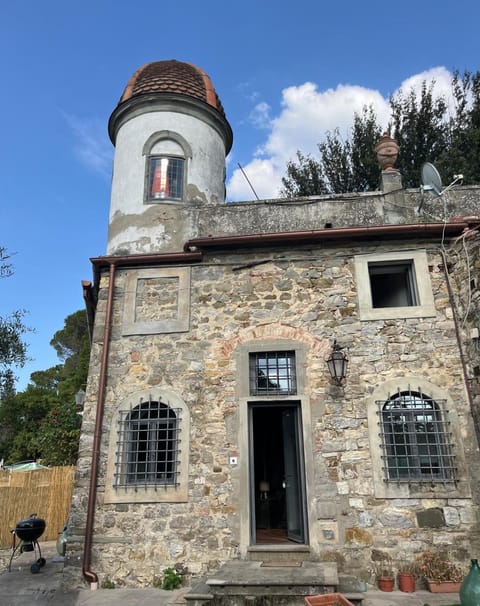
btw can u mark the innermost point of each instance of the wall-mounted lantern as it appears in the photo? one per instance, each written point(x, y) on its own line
point(337, 363)
point(80, 400)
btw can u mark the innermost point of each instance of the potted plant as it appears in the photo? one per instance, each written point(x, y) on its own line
point(386, 579)
point(442, 575)
point(383, 572)
point(406, 576)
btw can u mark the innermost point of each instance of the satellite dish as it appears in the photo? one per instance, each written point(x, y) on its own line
point(431, 179)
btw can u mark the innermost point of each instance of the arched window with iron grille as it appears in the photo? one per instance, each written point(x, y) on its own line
point(148, 450)
point(416, 439)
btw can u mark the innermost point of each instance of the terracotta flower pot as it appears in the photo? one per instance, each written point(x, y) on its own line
point(406, 582)
point(327, 599)
point(443, 586)
point(386, 583)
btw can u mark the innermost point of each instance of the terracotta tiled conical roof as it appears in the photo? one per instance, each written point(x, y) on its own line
point(172, 77)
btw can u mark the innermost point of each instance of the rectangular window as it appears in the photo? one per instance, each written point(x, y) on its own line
point(392, 284)
point(273, 373)
point(165, 178)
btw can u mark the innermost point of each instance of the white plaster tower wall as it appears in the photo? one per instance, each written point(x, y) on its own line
point(165, 123)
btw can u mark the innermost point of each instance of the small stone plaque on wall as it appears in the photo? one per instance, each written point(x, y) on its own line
point(431, 518)
point(157, 301)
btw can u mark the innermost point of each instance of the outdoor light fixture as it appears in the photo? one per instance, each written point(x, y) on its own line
point(337, 363)
point(80, 399)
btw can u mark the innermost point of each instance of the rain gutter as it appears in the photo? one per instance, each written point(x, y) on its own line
point(318, 235)
point(140, 260)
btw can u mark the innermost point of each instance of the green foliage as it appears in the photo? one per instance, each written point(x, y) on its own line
point(304, 178)
point(171, 579)
point(13, 349)
point(344, 166)
point(462, 151)
point(365, 135)
point(107, 584)
point(58, 435)
point(42, 422)
point(424, 130)
point(418, 125)
point(20, 419)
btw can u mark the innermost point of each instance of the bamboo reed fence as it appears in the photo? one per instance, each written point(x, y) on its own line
point(46, 492)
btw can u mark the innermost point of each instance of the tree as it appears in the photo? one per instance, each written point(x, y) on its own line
point(42, 421)
point(352, 165)
point(304, 178)
point(21, 416)
point(425, 133)
point(344, 166)
point(72, 345)
point(462, 151)
point(13, 349)
point(419, 126)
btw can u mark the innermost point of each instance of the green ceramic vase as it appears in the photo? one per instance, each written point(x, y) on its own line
point(470, 588)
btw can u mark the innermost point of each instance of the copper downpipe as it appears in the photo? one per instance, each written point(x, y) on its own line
point(92, 494)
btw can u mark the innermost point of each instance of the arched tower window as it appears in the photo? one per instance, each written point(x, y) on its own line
point(148, 445)
point(416, 439)
point(166, 154)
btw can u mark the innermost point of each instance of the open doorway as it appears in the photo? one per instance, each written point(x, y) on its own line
point(277, 473)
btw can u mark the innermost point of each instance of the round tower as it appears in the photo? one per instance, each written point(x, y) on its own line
point(171, 139)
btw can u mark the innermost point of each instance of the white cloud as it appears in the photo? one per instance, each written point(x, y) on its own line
point(260, 173)
point(260, 115)
point(306, 115)
point(440, 75)
point(91, 145)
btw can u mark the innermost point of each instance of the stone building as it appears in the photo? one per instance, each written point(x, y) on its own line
point(213, 430)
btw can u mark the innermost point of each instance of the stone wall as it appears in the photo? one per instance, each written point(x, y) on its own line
point(307, 295)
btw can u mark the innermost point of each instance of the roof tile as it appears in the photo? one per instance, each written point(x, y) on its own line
point(173, 77)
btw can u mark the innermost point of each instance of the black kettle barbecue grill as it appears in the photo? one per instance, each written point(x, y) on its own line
point(28, 531)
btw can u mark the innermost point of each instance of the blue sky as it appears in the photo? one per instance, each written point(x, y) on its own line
point(285, 72)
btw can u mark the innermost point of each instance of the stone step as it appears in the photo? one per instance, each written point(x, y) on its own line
point(276, 553)
point(282, 582)
point(257, 578)
point(199, 595)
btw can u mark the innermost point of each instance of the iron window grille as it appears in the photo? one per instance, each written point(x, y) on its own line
point(416, 440)
point(273, 373)
point(165, 178)
point(148, 446)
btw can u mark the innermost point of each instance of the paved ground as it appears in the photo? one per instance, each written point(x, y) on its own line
point(22, 588)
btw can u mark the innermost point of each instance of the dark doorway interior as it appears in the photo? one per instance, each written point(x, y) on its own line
point(277, 472)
